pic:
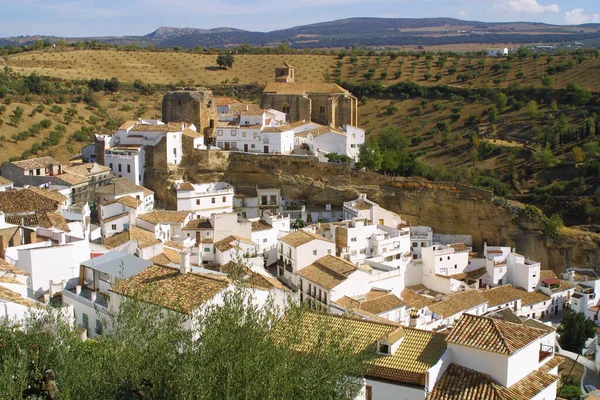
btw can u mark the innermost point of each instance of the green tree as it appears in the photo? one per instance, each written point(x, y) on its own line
point(532, 109)
point(545, 157)
point(369, 157)
point(577, 154)
point(298, 223)
point(225, 60)
point(574, 330)
point(17, 116)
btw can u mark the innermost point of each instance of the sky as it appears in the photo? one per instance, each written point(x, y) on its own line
point(86, 18)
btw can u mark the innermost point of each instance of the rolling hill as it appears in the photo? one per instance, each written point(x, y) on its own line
point(353, 31)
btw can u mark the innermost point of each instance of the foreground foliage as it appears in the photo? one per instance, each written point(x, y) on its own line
point(233, 354)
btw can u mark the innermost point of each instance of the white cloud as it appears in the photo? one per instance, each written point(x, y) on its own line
point(526, 6)
point(578, 16)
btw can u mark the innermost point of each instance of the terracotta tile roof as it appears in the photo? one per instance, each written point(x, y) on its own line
point(185, 186)
point(199, 223)
point(301, 237)
point(174, 245)
point(224, 101)
point(14, 297)
point(375, 293)
point(7, 267)
point(34, 163)
point(127, 125)
point(533, 323)
point(348, 303)
point(206, 240)
point(86, 169)
point(459, 247)
point(42, 219)
point(282, 128)
point(49, 194)
point(122, 186)
point(458, 302)
point(9, 279)
point(231, 242)
point(303, 88)
point(28, 200)
point(382, 304)
point(245, 191)
point(260, 226)
point(4, 181)
point(57, 221)
point(115, 217)
point(192, 133)
point(475, 274)
point(552, 363)
point(168, 127)
point(143, 237)
point(501, 295)
point(167, 287)
point(328, 271)
point(72, 179)
point(493, 335)
point(563, 285)
point(165, 217)
point(505, 314)
point(129, 202)
point(417, 353)
point(462, 383)
point(167, 257)
point(528, 387)
point(414, 300)
point(531, 298)
point(264, 282)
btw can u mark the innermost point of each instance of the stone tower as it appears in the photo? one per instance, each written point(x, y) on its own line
point(195, 106)
point(285, 73)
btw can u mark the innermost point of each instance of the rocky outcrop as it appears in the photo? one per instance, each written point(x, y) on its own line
point(447, 207)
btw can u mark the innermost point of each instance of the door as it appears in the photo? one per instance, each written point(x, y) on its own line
point(198, 238)
point(245, 148)
point(227, 145)
point(555, 310)
point(267, 149)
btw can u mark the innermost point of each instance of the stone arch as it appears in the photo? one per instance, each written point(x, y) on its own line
point(285, 107)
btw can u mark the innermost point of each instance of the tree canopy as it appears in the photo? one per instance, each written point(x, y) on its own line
point(225, 60)
point(574, 330)
point(232, 354)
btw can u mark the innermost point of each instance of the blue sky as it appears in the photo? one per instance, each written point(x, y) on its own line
point(137, 17)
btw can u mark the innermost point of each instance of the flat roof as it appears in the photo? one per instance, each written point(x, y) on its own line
point(118, 263)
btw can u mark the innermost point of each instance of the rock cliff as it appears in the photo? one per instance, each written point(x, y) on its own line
point(447, 207)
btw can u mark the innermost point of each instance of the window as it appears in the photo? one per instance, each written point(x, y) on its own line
point(322, 109)
point(353, 146)
point(85, 320)
point(362, 251)
point(213, 200)
point(224, 199)
point(265, 240)
point(455, 266)
point(174, 151)
point(285, 107)
point(309, 286)
point(120, 169)
point(263, 200)
point(233, 132)
point(448, 257)
point(440, 258)
point(384, 348)
point(415, 244)
point(207, 249)
point(243, 134)
point(113, 227)
point(128, 168)
point(37, 171)
point(197, 202)
point(329, 252)
point(252, 146)
point(98, 327)
point(273, 200)
point(111, 165)
point(219, 132)
point(353, 239)
point(314, 252)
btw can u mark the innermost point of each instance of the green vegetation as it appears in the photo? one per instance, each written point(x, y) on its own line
point(234, 354)
point(574, 330)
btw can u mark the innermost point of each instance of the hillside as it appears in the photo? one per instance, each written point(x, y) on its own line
point(471, 119)
point(354, 31)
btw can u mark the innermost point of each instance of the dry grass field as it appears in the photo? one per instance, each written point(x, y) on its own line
point(200, 69)
point(166, 68)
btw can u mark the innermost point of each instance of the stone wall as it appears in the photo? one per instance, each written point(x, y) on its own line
point(300, 106)
point(195, 106)
point(448, 207)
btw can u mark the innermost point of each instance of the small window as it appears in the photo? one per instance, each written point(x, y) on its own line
point(448, 257)
point(322, 109)
point(314, 252)
point(85, 320)
point(329, 251)
point(128, 168)
point(111, 165)
point(213, 200)
point(384, 348)
point(120, 169)
point(440, 258)
point(415, 244)
point(353, 239)
point(243, 134)
point(197, 202)
point(113, 227)
point(219, 132)
point(224, 199)
point(207, 249)
point(252, 146)
point(265, 240)
point(233, 132)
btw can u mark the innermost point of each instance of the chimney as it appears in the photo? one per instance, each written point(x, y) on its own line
point(139, 120)
point(2, 218)
point(62, 238)
point(182, 126)
point(93, 296)
point(78, 290)
point(184, 262)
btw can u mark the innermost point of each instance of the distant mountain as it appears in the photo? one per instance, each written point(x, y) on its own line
point(355, 31)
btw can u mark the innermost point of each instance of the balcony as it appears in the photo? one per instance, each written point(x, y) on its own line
point(87, 297)
point(546, 352)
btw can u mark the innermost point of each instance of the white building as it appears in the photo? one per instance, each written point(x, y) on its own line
point(323, 140)
point(421, 237)
point(298, 250)
point(499, 52)
point(362, 208)
point(90, 294)
point(253, 201)
point(255, 131)
point(122, 187)
point(204, 199)
point(166, 225)
point(125, 151)
point(118, 215)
